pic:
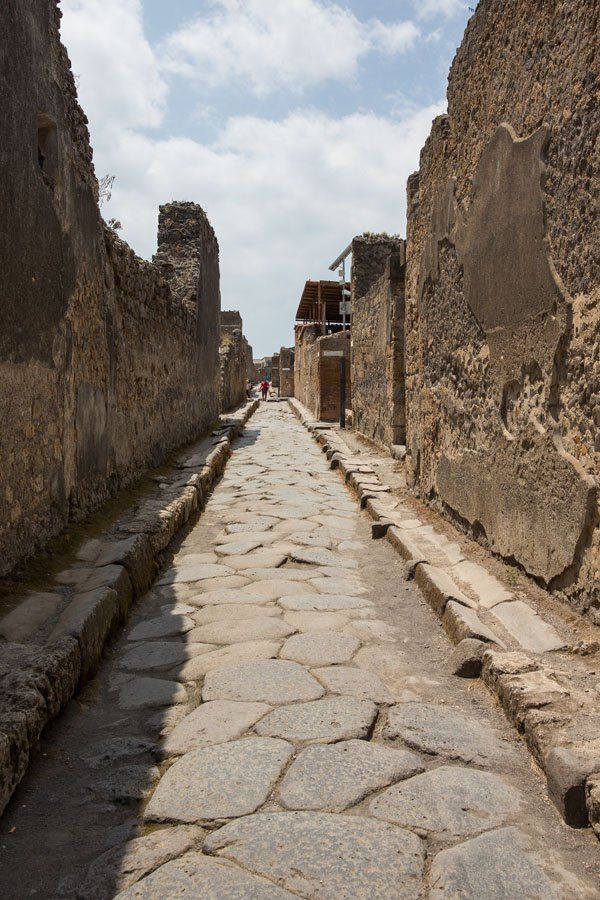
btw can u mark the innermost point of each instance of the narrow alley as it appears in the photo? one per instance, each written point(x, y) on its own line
point(277, 720)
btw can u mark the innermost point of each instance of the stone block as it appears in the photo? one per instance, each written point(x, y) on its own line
point(438, 588)
point(90, 618)
point(461, 622)
point(466, 660)
point(567, 770)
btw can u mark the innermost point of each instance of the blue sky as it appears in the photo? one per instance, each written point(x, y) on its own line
point(294, 123)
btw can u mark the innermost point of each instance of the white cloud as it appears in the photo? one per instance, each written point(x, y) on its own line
point(270, 45)
point(119, 78)
point(445, 8)
point(284, 197)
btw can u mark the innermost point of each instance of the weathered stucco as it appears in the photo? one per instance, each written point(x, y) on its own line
point(502, 313)
point(103, 367)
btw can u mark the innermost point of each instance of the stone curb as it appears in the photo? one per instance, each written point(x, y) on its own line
point(558, 721)
point(38, 680)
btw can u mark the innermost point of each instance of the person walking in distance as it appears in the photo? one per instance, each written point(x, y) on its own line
point(264, 388)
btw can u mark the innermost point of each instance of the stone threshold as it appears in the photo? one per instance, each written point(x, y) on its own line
point(53, 641)
point(506, 641)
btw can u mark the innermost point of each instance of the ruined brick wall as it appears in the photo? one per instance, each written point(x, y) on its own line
point(502, 310)
point(317, 377)
point(378, 357)
point(103, 368)
point(286, 372)
point(233, 354)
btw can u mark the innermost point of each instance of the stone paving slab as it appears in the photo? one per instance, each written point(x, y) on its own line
point(213, 723)
point(195, 875)
point(234, 632)
point(232, 612)
point(225, 658)
point(339, 775)
point(309, 620)
point(320, 557)
point(275, 588)
point(189, 571)
point(324, 856)
point(326, 720)
point(323, 602)
point(161, 654)
point(322, 648)
point(268, 681)
point(120, 867)
point(220, 782)
point(224, 596)
point(351, 682)
point(527, 627)
point(439, 730)
point(449, 802)
point(505, 864)
point(163, 626)
point(332, 585)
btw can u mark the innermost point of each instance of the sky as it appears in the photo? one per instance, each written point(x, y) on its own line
point(293, 123)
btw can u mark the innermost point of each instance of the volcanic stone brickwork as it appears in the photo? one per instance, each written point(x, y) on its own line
point(502, 310)
point(234, 354)
point(316, 375)
point(286, 372)
point(378, 351)
point(105, 366)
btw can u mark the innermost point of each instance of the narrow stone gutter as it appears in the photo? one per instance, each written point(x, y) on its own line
point(542, 696)
point(37, 679)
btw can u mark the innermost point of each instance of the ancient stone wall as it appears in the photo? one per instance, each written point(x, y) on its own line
point(275, 370)
point(104, 368)
point(370, 254)
point(316, 376)
point(502, 310)
point(378, 357)
point(233, 354)
point(286, 372)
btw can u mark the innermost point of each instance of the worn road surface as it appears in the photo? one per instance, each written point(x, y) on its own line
point(277, 720)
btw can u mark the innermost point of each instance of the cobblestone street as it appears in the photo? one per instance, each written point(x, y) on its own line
point(278, 720)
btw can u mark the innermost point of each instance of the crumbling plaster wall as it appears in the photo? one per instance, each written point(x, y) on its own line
point(502, 310)
point(103, 369)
